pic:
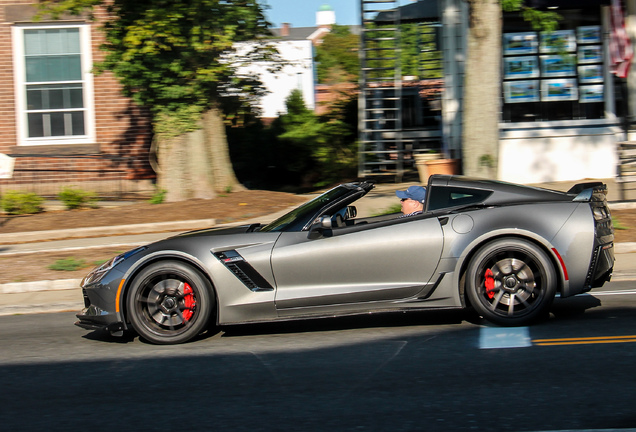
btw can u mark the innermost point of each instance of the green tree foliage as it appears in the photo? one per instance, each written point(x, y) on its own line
point(338, 59)
point(183, 60)
point(322, 148)
point(337, 157)
point(302, 134)
point(419, 55)
point(337, 56)
point(299, 148)
point(539, 20)
point(179, 57)
point(413, 49)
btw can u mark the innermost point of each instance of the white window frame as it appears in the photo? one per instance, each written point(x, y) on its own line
point(20, 84)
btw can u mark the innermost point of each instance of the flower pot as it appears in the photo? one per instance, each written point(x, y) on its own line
point(442, 166)
point(420, 161)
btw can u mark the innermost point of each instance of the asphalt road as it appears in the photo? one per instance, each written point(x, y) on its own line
point(432, 371)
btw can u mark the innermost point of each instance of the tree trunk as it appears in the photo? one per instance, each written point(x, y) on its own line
point(172, 162)
point(224, 179)
point(197, 164)
point(482, 89)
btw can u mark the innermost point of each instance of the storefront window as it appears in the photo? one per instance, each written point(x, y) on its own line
point(554, 76)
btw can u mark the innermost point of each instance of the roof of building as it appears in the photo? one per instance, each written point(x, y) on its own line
point(420, 11)
point(302, 33)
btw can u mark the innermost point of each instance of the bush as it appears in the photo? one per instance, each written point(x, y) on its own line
point(158, 197)
point(76, 198)
point(18, 203)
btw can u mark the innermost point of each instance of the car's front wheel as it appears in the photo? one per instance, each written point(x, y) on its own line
point(169, 303)
point(510, 281)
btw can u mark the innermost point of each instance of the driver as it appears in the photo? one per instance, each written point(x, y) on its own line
point(412, 200)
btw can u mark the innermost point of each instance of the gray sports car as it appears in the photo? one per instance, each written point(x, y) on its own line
point(503, 249)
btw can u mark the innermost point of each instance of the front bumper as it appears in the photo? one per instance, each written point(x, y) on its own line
point(93, 318)
point(100, 305)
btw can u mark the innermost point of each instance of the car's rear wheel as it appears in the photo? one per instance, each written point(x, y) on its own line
point(169, 303)
point(510, 281)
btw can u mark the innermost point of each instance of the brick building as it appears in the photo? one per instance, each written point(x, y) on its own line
point(63, 125)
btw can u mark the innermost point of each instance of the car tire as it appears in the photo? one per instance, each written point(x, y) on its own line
point(510, 282)
point(170, 303)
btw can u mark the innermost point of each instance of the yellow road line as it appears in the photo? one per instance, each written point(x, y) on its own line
point(585, 340)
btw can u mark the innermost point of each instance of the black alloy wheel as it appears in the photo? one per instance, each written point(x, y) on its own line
point(510, 281)
point(169, 303)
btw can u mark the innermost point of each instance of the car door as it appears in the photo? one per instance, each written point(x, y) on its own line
point(392, 261)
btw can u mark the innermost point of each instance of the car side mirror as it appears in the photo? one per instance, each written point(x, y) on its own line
point(325, 222)
point(317, 229)
point(352, 212)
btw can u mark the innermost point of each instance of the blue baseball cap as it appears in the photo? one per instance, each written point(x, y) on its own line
point(416, 193)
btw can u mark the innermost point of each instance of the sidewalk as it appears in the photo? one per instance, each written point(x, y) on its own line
point(65, 295)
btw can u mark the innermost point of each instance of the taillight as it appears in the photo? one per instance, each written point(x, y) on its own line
point(600, 213)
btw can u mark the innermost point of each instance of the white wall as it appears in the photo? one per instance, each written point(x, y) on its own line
point(298, 73)
point(550, 154)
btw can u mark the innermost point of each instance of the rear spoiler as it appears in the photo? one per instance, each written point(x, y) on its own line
point(590, 191)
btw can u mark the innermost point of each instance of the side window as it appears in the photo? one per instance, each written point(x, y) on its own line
point(447, 197)
point(53, 84)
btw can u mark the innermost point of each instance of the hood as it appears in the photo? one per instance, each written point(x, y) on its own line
point(199, 243)
point(241, 229)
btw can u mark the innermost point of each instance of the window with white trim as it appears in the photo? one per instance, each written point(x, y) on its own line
point(54, 93)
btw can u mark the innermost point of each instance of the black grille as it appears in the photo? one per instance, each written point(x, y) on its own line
point(242, 276)
point(247, 274)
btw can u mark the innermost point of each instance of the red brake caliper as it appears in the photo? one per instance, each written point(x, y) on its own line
point(189, 301)
point(490, 283)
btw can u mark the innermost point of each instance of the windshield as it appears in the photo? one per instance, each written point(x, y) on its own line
point(298, 218)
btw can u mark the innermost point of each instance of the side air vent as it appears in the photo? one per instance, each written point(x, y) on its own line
point(242, 276)
point(247, 274)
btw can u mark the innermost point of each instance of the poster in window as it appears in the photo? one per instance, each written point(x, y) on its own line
point(591, 74)
point(591, 93)
point(558, 66)
point(521, 91)
point(520, 43)
point(588, 34)
point(558, 41)
point(559, 90)
point(590, 54)
point(521, 67)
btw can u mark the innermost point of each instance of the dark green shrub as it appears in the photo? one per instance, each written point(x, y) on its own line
point(18, 203)
point(74, 198)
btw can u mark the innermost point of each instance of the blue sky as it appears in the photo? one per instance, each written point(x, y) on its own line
point(302, 13)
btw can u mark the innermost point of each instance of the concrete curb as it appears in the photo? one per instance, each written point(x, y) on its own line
point(22, 309)
point(36, 286)
point(623, 248)
point(35, 236)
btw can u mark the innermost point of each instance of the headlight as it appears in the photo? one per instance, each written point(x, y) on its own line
point(100, 271)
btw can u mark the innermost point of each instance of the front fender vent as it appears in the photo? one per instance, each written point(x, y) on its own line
point(247, 274)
